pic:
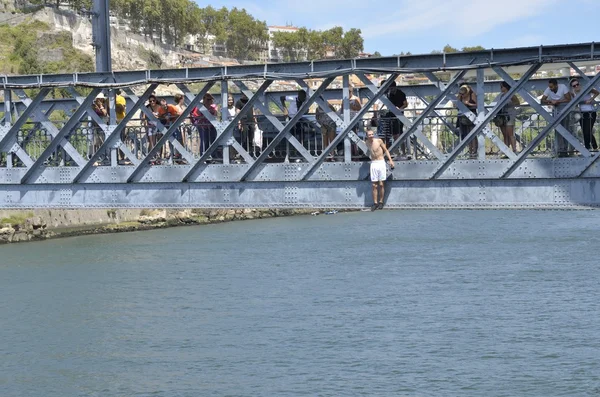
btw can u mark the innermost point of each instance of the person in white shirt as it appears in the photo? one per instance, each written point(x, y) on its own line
point(231, 111)
point(291, 104)
point(558, 95)
point(588, 113)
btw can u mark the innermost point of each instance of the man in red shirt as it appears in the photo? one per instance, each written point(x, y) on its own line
point(166, 113)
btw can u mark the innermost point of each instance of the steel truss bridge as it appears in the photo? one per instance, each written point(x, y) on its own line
point(51, 156)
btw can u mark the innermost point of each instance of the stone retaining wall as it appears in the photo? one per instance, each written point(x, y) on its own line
point(20, 226)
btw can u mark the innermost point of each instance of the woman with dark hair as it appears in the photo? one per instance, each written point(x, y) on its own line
point(180, 134)
point(151, 127)
point(467, 96)
point(588, 114)
point(505, 120)
point(206, 130)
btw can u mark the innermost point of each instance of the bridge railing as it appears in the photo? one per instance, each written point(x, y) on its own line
point(53, 121)
point(441, 130)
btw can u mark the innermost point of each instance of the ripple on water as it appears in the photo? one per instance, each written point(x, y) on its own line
point(419, 303)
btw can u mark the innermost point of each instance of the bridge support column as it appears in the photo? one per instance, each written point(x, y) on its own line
point(101, 35)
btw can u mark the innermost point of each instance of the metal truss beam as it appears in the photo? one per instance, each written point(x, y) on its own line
point(160, 127)
point(581, 75)
point(444, 91)
point(317, 163)
point(533, 168)
point(210, 181)
point(276, 123)
point(441, 117)
point(486, 131)
point(542, 112)
point(103, 126)
point(226, 134)
point(52, 130)
point(420, 90)
point(320, 101)
point(9, 137)
point(433, 62)
point(34, 170)
point(399, 114)
point(144, 165)
point(481, 122)
point(284, 130)
point(113, 137)
point(552, 123)
point(511, 193)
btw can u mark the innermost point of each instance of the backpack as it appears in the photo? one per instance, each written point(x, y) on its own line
point(196, 115)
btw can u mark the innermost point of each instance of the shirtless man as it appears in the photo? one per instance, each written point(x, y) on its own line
point(377, 149)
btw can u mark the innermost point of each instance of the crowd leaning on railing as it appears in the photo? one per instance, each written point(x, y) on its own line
point(517, 123)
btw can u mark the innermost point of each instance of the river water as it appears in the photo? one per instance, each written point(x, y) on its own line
point(390, 303)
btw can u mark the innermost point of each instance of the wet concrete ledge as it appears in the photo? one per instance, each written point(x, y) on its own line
point(22, 226)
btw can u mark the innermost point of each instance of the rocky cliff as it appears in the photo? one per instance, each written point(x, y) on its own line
point(129, 51)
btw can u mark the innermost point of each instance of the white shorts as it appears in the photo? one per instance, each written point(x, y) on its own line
point(378, 171)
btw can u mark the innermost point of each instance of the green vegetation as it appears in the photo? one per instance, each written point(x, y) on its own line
point(312, 44)
point(20, 51)
point(243, 36)
point(16, 219)
point(152, 58)
point(448, 49)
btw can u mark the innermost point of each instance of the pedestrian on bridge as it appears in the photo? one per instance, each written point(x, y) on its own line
point(558, 95)
point(588, 114)
point(398, 99)
point(505, 120)
point(377, 150)
point(468, 97)
point(151, 126)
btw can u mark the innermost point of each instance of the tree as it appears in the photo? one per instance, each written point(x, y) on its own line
point(316, 45)
point(289, 43)
point(332, 39)
point(448, 49)
point(246, 36)
point(475, 48)
point(212, 22)
point(376, 54)
point(352, 44)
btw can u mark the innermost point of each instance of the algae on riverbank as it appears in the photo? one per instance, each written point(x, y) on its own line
point(44, 224)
